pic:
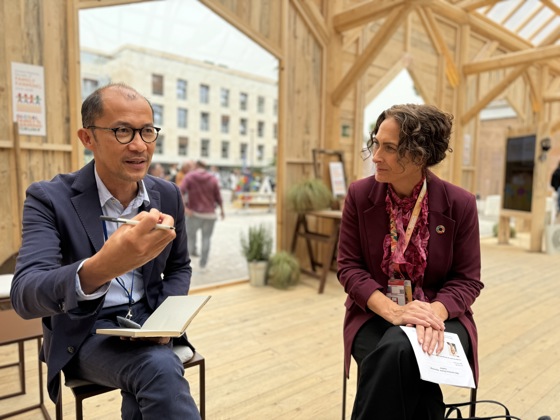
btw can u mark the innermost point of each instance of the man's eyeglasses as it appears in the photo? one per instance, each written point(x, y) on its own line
point(124, 135)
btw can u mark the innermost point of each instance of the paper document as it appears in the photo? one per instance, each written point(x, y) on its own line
point(170, 319)
point(450, 367)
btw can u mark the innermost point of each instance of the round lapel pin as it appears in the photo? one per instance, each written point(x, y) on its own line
point(440, 229)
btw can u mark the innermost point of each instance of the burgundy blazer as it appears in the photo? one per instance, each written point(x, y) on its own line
point(452, 274)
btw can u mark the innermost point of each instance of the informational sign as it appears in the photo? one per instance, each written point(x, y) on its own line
point(28, 99)
point(338, 182)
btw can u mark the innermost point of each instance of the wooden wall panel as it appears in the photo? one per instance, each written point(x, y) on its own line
point(259, 19)
point(304, 108)
point(33, 32)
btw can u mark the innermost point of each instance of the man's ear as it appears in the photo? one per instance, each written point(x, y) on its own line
point(85, 138)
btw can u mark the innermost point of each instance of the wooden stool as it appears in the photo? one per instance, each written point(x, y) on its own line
point(18, 330)
point(319, 269)
point(83, 389)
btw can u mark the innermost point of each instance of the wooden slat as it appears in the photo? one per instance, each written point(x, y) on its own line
point(372, 50)
point(363, 14)
point(532, 55)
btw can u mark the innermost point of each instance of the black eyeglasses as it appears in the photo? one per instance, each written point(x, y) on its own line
point(125, 135)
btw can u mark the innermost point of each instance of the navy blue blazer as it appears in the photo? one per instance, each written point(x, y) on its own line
point(61, 228)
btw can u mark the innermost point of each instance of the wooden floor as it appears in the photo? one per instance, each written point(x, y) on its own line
point(274, 354)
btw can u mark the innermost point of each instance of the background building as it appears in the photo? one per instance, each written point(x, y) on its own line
point(225, 117)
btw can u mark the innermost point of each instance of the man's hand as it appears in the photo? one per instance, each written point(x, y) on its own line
point(127, 248)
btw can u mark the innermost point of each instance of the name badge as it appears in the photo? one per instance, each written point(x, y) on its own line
point(399, 291)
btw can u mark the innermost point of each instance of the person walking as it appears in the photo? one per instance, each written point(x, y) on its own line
point(203, 196)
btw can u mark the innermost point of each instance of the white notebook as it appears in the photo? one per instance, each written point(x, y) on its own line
point(170, 319)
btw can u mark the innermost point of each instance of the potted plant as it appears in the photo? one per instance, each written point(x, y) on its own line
point(257, 247)
point(283, 270)
point(308, 195)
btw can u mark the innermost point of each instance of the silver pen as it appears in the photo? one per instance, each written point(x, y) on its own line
point(133, 222)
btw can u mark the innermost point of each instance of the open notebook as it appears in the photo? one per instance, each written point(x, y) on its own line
point(170, 319)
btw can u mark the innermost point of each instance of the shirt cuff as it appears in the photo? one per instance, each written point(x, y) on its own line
point(95, 295)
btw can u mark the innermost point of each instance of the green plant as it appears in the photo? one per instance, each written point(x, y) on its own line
point(257, 245)
point(283, 270)
point(308, 195)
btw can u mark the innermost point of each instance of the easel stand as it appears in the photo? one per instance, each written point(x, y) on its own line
point(319, 269)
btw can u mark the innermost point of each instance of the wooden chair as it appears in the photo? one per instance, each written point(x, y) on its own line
point(16, 330)
point(83, 389)
point(472, 407)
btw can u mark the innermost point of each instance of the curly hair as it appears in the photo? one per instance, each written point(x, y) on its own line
point(424, 132)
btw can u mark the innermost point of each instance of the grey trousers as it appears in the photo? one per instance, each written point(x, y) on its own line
point(149, 375)
point(206, 227)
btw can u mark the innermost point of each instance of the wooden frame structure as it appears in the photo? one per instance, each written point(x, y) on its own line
point(335, 56)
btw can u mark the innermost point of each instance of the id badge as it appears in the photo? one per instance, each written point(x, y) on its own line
point(399, 291)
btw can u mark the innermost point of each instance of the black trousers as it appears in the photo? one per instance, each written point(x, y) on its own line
point(389, 385)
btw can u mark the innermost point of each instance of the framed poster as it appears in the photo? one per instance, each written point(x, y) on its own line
point(28, 99)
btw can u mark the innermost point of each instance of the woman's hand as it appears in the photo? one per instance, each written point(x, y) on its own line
point(413, 313)
point(431, 340)
point(416, 313)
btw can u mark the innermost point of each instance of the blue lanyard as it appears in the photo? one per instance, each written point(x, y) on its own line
point(120, 281)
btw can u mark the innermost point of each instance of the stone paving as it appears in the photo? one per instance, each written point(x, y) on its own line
point(226, 262)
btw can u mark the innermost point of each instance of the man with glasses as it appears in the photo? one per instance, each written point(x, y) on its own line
point(79, 273)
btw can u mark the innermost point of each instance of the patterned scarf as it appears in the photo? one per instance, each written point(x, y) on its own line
point(411, 263)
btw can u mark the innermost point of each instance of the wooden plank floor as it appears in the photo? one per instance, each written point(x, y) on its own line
point(274, 354)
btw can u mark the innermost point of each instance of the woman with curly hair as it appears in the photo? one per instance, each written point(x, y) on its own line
point(409, 255)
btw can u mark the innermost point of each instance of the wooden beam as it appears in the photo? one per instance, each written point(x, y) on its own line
point(470, 5)
point(552, 6)
point(376, 44)
point(493, 93)
point(551, 97)
point(314, 20)
point(480, 25)
point(438, 40)
point(535, 93)
point(364, 13)
point(89, 4)
point(424, 89)
point(529, 56)
point(388, 75)
point(234, 20)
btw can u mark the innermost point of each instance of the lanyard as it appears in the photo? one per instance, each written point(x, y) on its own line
point(120, 282)
point(410, 226)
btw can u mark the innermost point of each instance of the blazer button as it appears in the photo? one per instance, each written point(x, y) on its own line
point(70, 349)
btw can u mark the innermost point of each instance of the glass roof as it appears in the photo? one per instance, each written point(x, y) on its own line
point(533, 20)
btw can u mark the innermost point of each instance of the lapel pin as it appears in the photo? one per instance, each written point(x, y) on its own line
point(440, 229)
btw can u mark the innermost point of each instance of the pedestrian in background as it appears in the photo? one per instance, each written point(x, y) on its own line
point(203, 196)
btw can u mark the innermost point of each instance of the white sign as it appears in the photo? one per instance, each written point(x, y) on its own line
point(338, 182)
point(28, 99)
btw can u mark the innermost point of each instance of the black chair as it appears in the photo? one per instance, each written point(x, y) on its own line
point(472, 408)
point(84, 389)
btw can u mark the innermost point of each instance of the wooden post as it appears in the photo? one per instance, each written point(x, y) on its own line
point(19, 174)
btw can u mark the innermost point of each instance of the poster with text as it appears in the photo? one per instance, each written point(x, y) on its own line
point(28, 99)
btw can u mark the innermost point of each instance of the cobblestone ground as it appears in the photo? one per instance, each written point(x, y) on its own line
point(226, 263)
